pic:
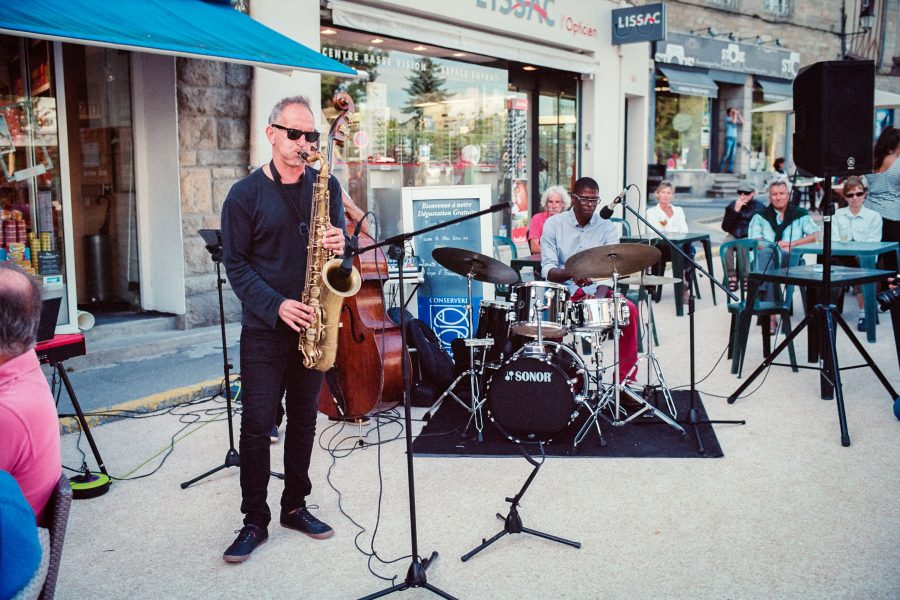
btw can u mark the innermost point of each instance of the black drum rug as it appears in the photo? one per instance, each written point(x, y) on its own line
point(644, 437)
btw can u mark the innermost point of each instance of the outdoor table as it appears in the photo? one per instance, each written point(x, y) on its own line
point(868, 253)
point(810, 278)
point(678, 261)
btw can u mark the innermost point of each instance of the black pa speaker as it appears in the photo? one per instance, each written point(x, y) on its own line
point(834, 103)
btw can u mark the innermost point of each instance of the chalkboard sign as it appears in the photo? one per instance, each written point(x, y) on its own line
point(442, 300)
point(49, 263)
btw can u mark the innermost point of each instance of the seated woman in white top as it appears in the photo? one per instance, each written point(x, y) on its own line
point(668, 218)
point(665, 216)
point(855, 223)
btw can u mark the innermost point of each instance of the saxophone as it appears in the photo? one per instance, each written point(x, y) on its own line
point(326, 287)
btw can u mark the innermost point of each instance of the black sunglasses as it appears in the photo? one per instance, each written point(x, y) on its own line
point(295, 134)
point(855, 195)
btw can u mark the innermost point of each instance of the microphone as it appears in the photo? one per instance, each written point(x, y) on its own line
point(607, 211)
point(351, 246)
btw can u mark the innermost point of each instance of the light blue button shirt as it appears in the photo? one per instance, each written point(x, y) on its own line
point(563, 237)
point(760, 229)
point(862, 227)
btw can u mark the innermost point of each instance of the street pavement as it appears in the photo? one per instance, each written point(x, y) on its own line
point(788, 512)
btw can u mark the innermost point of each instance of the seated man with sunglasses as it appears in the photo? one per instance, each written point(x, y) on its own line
point(569, 232)
point(855, 223)
point(265, 233)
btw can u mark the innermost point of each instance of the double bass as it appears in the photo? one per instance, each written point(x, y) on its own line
point(367, 374)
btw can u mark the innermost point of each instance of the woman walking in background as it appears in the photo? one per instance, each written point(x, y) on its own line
point(884, 189)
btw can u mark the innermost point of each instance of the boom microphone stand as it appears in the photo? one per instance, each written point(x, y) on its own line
point(213, 239)
point(415, 575)
point(693, 418)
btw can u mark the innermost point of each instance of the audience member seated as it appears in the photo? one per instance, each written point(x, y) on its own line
point(668, 218)
point(783, 223)
point(855, 223)
point(30, 440)
point(736, 223)
point(554, 200)
point(20, 547)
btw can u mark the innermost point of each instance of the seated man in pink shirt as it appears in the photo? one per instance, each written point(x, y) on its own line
point(29, 443)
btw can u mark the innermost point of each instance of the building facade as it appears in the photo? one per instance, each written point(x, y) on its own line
point(744, 54)
point(115, 158)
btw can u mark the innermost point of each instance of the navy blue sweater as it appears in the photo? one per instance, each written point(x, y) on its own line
point(264, 243)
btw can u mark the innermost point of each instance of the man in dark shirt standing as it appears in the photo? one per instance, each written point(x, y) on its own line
point(736, 223)
point(265, 232)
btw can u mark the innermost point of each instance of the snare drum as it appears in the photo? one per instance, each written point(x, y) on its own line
point(494, 317)
point(597, 314)
point(541, 302)
point(536, 393)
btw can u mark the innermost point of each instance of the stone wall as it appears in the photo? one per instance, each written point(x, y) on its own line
point(214, 134)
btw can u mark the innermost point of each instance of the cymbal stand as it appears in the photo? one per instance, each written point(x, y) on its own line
point(693, 419)
point(618, 386)
point(474, 406)
point(653, 361)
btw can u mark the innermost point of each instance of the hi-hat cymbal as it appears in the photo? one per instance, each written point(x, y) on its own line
point(638, 279)
point(480, 267)
point(603, 260)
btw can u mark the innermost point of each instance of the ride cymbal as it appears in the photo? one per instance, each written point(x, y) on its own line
point(604, 260)
point(480, 267)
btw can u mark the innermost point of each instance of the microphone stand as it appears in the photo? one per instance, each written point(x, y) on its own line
point(415, 575)
point(213, 239)
point(693, 418)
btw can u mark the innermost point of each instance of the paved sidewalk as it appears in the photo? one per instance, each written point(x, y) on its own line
point(786, 513)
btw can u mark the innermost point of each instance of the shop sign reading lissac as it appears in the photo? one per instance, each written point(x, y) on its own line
point(571, 23)
point(443, 298)
point(639, 24)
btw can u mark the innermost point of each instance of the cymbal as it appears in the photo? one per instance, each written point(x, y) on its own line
point(603, 260)
point(638, 279)
point(480, 267)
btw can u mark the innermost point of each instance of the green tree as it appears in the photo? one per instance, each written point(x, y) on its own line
point(425, 87)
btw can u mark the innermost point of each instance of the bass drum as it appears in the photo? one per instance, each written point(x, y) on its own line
point(535, 394)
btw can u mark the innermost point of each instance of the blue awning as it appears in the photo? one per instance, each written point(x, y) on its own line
point(189, 28)
point(775, 89)
point(689, 83)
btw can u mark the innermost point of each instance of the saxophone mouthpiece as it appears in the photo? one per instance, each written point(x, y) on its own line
point(310, 158)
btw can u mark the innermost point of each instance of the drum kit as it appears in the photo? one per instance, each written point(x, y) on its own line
point(524, 371)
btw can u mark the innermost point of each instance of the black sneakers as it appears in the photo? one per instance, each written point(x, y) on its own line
point(302, 520)
point(249, 537)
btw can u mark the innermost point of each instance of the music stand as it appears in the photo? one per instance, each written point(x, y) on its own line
point(213, 239)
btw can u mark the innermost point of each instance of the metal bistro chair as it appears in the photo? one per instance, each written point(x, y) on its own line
point(625, 226)
point(501, 244)
point(748, 258)
point(56, 516)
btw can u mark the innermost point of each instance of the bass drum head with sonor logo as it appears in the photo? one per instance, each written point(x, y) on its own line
point(530, 398)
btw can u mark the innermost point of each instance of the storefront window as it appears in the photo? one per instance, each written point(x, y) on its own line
point(767, 136)
point(682, 130)
point(421, 120)
point(104, 214)
point(31, 233)
point(558, 130)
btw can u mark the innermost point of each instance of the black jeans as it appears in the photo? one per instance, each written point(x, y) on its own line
point(271, 364)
